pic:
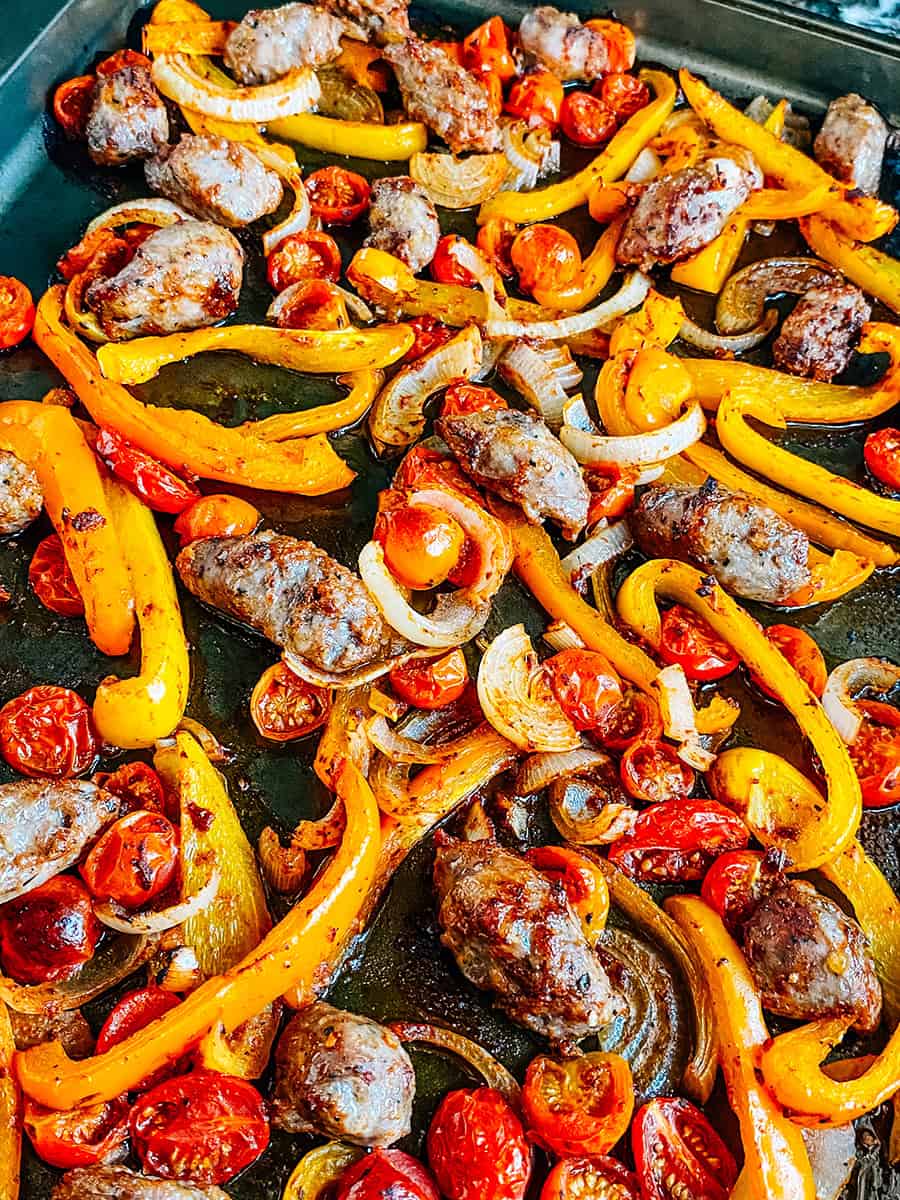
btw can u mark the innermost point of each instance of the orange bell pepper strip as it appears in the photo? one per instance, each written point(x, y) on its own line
point(78, 507)
point(10, 1123)
point(776, 1164)
point(831, 576)
point(874, 271)
point(364, 64)
point(583, 881)
point(185, 440)
point(324, 418)
point(785, 204)
point(186, 37)
point(293, 954)
point(596, 272)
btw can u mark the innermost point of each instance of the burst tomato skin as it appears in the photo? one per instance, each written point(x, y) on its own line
point(545, 257)
point(48, 732)
point(625, 94)
point(422, 544)
point(49, 932)
point(677, 1152)
point(536, 97)
point(100, 251)
point(486, 50)
point(72, 104)
point(653, 772)
point(338, 196)
point(876, 754)
point(137, 784)
point(78, 1137)
point(312, 304)
point(133, 860)
point(462, 398)
point(804, 655)
point(477, 1148)
point(16, 312)
point(424, 468)
point(445, 267)
point(284, 706)
point(495, 239)
point(310, 254)
point(585, 686)
point(675, 841)
point(731, 886)
point(637, 718)
point(158, 487)
point(431, 682)
point(386, 1173)
point(579, 1106)
point(216, 516)
point(688, 641)
point(586, 120)
point(590, 1179)
point(134, 1011)
point(882, 455)
point(430, 334)
point(203, 1127)
point(52, 581)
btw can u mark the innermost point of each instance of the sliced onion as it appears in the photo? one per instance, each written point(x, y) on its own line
point(679, 717)
point(632, 293)
point(456, 183)
point(386, 705)
point(493, 1073)
point(638, 449)
point(485, 534)
point(159, 920)
point(283, 867)
point(540, 770)
point(180, 971)
point(356, 307)
point(645, 167)
point(846, 682)
point(542, 372)
point(300, 216)
point(342, 681)
point(560, 636)
point(214, 750)
point(606, 544)
point(742, 301)
point(724, 343)
point(517, 699)
point(530, 153)
point(399, 749)
point(488, 278)
point(151, 211)
point(114, 960)
point(80, 319)
point(180, 81)
point(344, 736)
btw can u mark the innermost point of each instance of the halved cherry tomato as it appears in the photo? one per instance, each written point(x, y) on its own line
point(677, 840)
point(284, 706)
point(158, 487)
point(876, 754)
point(586, 120)
point(121, 60)
point(536, 97)
point(804, 655)
point(486, 50)
point(133, 860)
point(431, 682)
point(461, 398)
point(620, 43)
point(545, 257)
point(688, 640)
point(578, 1105)
point(731, 886)
point(477, 1147)
point(338, 196)
point(430, 334)
point(585, 686)
point(590, 1179)
point(312, 304)
point(585, 887)
point(203, 1127)
point(16, 312)
point(48, 731)
point(636, 718)
point(311, 254)
point(882, 455)
point(52, 581)
point(624, 94)
point(422, 544)
point(137, 785)
point(495, 239)
point(612, 493)
point(49, 932)
point(72, 103)
point(101, 250)
point(216, 516)
point(678, 1153)
point(77, 1137)
point(653, 772)
point(386, 1173)
point(135, 1011)
point(444, 266)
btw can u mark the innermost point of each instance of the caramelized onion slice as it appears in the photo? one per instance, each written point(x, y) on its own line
point(453, 182)
point(742, 301)
point(114, 916)
point(180, 81)
point(113, 961)
point(481, 1061)
point(153, 210)
point(846, 682)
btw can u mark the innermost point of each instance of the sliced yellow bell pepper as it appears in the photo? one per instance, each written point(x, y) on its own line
point(874, 271)
point(355, 139)
point(596, 272)
point(831, 576)
point(10, 1124)
point(786, 204)
point(544, 203)
point(186, 37)
point(319, 1170)
point(325, 418)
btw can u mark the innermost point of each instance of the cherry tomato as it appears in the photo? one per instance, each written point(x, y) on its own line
point(477, 1148)
point(49, 932)
point(72, 103)
point(137, 785)
point(461, 398)
point(284, 706)
point(624, 94)
point(804, 655)
point(51, 579)
point(444, 266)
point(216, 516)
point(431, 682)
point(731, 886)
point(876, 754)
point(536, 97)
point(882, 455)
point(423, 468)
point(48, 731)
point(590, 1179)
point(578, 1106)
point(158, 487)
point(486, 50)
point(311, 304)
point(612, 493)
point(688, 640)
point(16, 312)
point(495, 239)
point(135, 1011)
point(678, 1153)
point(338, 196)
point(586, 120)
point(545, 257)
point(120, 61)
point(430, 334)
point(386, 1173)
point(311, 254)
point(677, 840)
point(585, 686)
point(133, 860)
point(77, 1137)
point(422, 544)
point(636, 718)
point(203, 1127)
point(102, 251)
point(620, 44)
point(652, 771)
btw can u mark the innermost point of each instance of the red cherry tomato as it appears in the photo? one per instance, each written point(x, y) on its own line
point(158, 487)
point(137, 784)
point(134, 859)
point(486, 50)
point(620, 43)
point(421, 544)
point(477, 1148)
point(586, 120)
point(802, 653)
point(72, 103)
point(216, 516)
point(461, 398)
point(677, 840)
point(590, 1179)
point(77, 1137)
point(585, 685)
point(203, 1127)
point(285, 707)
point(882, 455)
point(386, 1173)
point(311, 304)
point(678, 1153)
point(495, 239)
point(545, 258)
point(876, 754)
point(430, 334)
point(731, 886)
point(120, 61)
point(444, 266)
point(578, 1105)
point(135, 1011)
point(637, 718)
point(612, 494)
point(102, 251)
point(431, 682)
point(51, 579)
point(652, 771)
point(49, 932)
point(624, 94)
point(689, 641)
point(16, 312)
point(423, 468)
point(338, 196)
point(311, 254)
point(536, 97)
point(48, 731)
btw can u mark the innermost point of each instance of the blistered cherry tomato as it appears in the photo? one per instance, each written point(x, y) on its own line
point(637, 718)
point(102, 251)
point(421, 544)
point(804, 655)
point(51, 579)
point(134, 859)
point(134, 1011)
point(16, 312)
point(216, 516)
point(586, 120)
point(882, 455)
point(72, 103)
point(137, 785)
point(581, 879)
point(578, 1105)
point(875, 754)
point(311, 304)
point(120, 61)
point(585, 685)
point(310, 254)
point(386, 1173)
point(495, 239)
point(284, 706)
point(477, 1148)
point(612, 493)
point(338, 196)
point(423, 468)
point(590, 1179)
point(677, 1153)
point(431, 682)
point(203, 1128)
point(76, 1137)
point(688, 640)
point(624, 94)
point(430, 334)
point(158, 487)
point(461, 398)
point(444, 266)
point(49, 932)
point(731, 886)
point(620, 43)
point(48, 731)
point(677, 840)
point(545, 257)
point(536, 97)
point(486, 50)
point(652, 771)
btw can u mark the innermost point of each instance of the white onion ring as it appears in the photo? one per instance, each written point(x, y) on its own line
point(632, 293)
point(605, 544)
point(543, 374)
point(493, 1073)
point(848, 679)
point(679, 716)
point(399, 749)
point(538, 771)
point(114, 961)
point(724, 343)
point(179, 80)
point(560, 636)
point(644, 168)
point(115, 917)
point(349, 679)
point(300, 216)
point(153, 210)
point(637, 449)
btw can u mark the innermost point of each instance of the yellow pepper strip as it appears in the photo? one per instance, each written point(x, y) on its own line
point(776, 1164)
point(610, 164)
point(593, 277)
point(780, 204)
point(186, 37)
point(873, 270)
point(78, 507)
point(325, 418)
point(637, 604)
point(10, 1125)
point(319, 1170)
point(293, 954)
point(134, 713)
point(187, 441)
point(356, 139)
point(831, 576)
point(863, 217)
point(791, 471)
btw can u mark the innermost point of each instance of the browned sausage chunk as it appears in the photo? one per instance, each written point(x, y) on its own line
point(560, 42)
point(380, 21)
point(119, 1183)
point(270, 42)
point(128, 118)
point(21, 499)
point(851, 142)
point(403, 221)
point(216, 179)
point(817, 338)
point(342, 1076)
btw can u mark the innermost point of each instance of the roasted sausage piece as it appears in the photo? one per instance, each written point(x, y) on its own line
point(216, 179)
point(120, 1183)
point(515, 455)
point(513, 933)
point(45, 825)
point(444, 96)
point(851, 142)
point(560, 42)
point(379, 21)
point(184, 276)
point(128, 118)
point(294, 594)
point(21, 499)
point(751, 550)
point(679, 214)
point(342, 1076)
point(403, 221)
point(810, 960)
point(270, 42)
point(817, 338)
